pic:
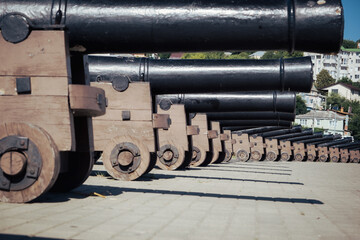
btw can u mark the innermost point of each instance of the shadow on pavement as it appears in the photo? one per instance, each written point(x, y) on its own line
point(106, 191)
point(251, 167)
point(257, 172)
point(23, 237)
point(160, 176)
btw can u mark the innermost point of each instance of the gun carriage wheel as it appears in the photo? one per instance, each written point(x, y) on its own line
point(29, 162)
point(126, 158)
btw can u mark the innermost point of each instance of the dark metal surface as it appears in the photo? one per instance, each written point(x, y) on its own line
point(347, 145)
point(278, 132)
point(168, 25)
point(323, 139)
point(336, 142)
point(313, 136)
point(251, 116)
point(32, 165)
point(237, 101)
point(257, 130)
point(281, 123)
point(201, 76)
point(121, 147)
point(293, 135)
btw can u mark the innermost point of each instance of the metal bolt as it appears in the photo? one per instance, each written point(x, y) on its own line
point(22, 143)
point(32, 171)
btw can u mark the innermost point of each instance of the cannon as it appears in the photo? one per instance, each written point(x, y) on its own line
point(204, 76)
point(259, 141)
point(201, 104)
point(123, 78)
point(287, 145)
point(143, 26)
point(275, 147)
point(355, 155)
point(217, 116)
point(306, 149)
point(241, 142)
point(341, 152)
point(323, 150)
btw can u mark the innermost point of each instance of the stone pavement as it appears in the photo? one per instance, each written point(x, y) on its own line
point(227, 201)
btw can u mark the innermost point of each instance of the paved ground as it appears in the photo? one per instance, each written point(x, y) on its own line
point(227, 201)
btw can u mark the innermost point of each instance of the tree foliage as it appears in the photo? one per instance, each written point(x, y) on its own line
point(354, 125)
point(215, 55)
point(300, 106)
point(349, 44)
point(164, 55)
point(345, 80)
point(323, 79)
point(281, 54)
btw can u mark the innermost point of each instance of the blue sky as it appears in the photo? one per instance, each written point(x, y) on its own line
point(352, 19)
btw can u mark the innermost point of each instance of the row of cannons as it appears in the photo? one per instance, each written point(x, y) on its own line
point(61, 106)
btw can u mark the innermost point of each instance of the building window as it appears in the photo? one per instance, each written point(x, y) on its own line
point(343, 68)
point(356, 76)
point(318, 122)
point(318, 56)
point(327, 56)
point(357, 60)
point(335, 90)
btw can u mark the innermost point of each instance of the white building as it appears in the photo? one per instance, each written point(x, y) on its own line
point(257, 55)
point(345, 90)
point(345, 64)
point(313, 100)
point(330, 121)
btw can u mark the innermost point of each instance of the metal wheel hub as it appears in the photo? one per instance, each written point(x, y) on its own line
point(168, 154)
point(271, 156)
point(242, 155)
point(311, 157)
point(284, 156)
point(334, 159)
point(255, 155)
point(323, 158)
point(298, 157)
point(125, 157)
point(196, 154)
point(20, 163)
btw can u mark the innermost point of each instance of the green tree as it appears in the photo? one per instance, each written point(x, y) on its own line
point(349, 44)
point(345, 80)
point(242, 55)
point(281, 54)
point(354, 125)
point(323, 79)
point(164, 55)
point(204, 55)
point(300, 106)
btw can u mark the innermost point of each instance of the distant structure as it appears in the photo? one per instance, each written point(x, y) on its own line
point(345, 90)
point(314, 100)
point(330, 121)
point(176, 55)
point(257, 55)
point(345, 64)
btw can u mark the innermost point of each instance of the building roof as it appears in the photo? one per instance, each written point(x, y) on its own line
point(258, 54)
point(176, 55)
point(326, 115)
point(350, 49)
point(349, 86)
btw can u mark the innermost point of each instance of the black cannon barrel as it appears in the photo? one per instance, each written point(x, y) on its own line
point(336, 142)
point(347, 145)
point(251, 116)
point(182, 25)
point(240, 129)
point(306, 132)
point(201, 76)
point(278, 132)
point(258, 130)
point(315, 135)
point(323, 139)
point(281, 123)
point(237, 101)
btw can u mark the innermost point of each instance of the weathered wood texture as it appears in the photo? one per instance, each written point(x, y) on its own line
point(272, 149)
point(216, 142)
point(257, 147)
point(87, 101)
point(44, 58)
point(50, 161)
point(241, 146)
point(299, 151)
point(286, 151)
point(200, 141)
point(137, 100)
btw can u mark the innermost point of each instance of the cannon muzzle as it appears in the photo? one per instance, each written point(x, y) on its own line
point(239, 101)
point(105, 26)
point(201, 76)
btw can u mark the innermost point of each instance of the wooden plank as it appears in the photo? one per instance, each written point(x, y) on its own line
point(201, 140)
point(40, 86)
point(228, 143)
point(136, 97)
point(48, 112)
point(104, 131)
point(176, 134)
point(44, 53)
point(85, 101)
